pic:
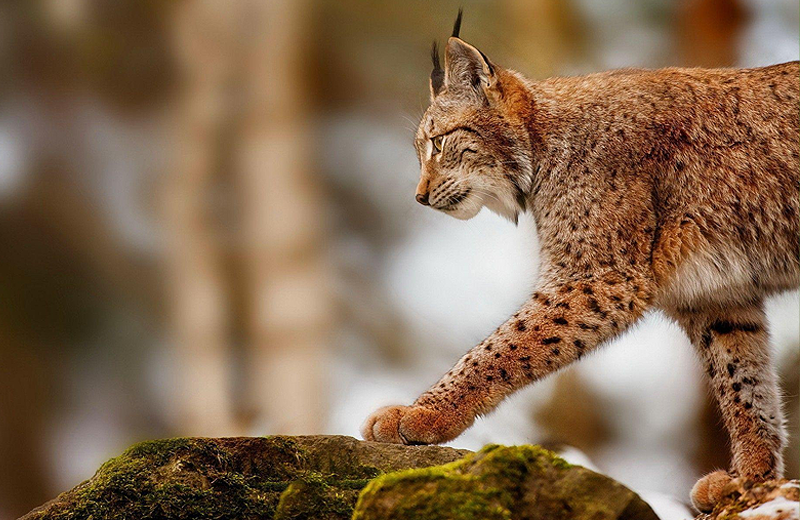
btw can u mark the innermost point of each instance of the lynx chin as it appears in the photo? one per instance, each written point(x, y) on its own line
point(672, 189)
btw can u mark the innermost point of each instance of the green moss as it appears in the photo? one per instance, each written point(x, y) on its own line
point(450, 491)
point(457, 504)
point(499, 482)
point(320, 477)
point(315, 497)
point(176, 478)
point(158, 449)
point(233, 478)
point(188, 478)
point(500, 462)
point(513, 456)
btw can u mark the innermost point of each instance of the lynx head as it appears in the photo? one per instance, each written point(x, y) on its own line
point(473, 142)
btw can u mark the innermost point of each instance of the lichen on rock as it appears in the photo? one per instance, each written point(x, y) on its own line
point(237, 478)
point(322, 477)
point(500, 482)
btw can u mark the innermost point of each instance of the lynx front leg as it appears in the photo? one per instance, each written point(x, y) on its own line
point(554, 328)
point(734, 347)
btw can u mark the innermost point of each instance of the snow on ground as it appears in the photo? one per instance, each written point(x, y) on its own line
point(778, 507)
point(667, 507)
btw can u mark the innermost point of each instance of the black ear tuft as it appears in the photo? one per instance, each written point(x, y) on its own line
point(437, 74)
point(435, 56)
point(457, 25)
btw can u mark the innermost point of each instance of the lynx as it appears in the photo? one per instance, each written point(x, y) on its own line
point(672, 189)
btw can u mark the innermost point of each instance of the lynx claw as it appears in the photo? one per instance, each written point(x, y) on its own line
point(709, 490)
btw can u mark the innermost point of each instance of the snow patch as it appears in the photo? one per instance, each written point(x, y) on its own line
point(777, 506)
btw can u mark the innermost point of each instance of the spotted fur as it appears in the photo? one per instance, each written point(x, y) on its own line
point(672, 189)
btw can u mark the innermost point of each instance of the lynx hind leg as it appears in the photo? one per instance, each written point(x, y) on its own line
point(734, 347)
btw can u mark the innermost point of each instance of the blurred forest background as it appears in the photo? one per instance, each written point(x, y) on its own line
point(208, 227)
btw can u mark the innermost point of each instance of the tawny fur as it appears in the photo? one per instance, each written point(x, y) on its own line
point(673, 189)
point(710, 489)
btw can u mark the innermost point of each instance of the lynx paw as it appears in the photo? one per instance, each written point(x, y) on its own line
point(708, 490)
point(407, 425)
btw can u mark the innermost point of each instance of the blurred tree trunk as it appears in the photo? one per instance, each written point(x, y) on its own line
point(708, 32)
point(205, 32)
point(244, 108)
point(281, 211)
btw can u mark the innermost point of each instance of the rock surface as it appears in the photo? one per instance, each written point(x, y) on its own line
point(320, 477)
point(773, 500)
point(501, 483)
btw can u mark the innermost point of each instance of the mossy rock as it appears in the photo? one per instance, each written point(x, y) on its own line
point(237, 478)
point(320, 478)
point(747, 500)
point(501, 483)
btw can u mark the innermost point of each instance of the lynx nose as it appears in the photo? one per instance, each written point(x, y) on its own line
point(422, 198)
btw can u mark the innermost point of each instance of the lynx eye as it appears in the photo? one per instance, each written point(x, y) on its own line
point(437, 144)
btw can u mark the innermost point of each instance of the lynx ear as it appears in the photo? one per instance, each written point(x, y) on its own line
point(468, 69)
